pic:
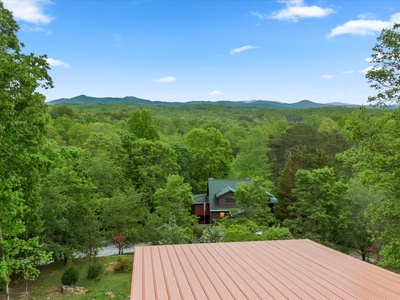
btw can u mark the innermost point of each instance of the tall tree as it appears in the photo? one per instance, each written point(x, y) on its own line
point(297, 160)
point(212, 156)
point(70, 214)
point(253, 202)
point(125, 214)
point(252, 160)
point(384, 76)
point(141, 124)
point(360, 199)
point(319, 212)
point(300, 136)
point(375, 158)
point(23, 117)
point(175, 199)
point(150, 163)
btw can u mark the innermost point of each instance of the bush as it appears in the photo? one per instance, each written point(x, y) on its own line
point(277, 233)
point(95, 270)
point(70, 276)
point(123, 265)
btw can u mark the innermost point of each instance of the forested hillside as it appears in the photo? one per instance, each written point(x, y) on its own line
point(141, 166)
point(87, 100)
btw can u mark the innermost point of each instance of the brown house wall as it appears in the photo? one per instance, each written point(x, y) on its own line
point(226, 201)
point(199, 209)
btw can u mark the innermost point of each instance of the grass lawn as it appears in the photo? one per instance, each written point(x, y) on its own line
point(47, 286)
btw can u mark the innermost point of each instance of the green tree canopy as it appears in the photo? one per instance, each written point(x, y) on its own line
point(318, 213)
point(252, 202)
point(23, 118)
point(211, 153)
point(176, 199)
point(150, 163)
point(141, 124)
point(384, 75)
point(375, 160)
point(126, 213)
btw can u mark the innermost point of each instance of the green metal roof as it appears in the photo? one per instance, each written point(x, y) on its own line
point(272, 198)
point(224, 191)
point(199, 198)
point(216, 186)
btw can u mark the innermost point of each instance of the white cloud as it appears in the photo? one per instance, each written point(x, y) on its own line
point(364, 71)
point(30, 11)
point(364, 26)
point(348, 72)
point(241, 49)
point(259, 15)
point(328, 76)
point(57, 63)
point(296, 9)
point(215, 93)
point(165, 79)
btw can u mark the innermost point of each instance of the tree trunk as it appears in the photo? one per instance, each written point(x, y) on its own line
point(5, 276)
point(26, 289)
point(363, 255)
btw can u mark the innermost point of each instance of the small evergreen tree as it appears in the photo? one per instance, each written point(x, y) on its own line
point(70, 276)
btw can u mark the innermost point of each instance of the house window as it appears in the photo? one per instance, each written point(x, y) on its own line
point(230, 201)
point(221, 214)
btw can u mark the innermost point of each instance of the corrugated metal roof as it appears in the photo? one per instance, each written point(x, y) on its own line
point(291, 269)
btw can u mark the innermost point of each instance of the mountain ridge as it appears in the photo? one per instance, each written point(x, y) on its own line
point(88, 100)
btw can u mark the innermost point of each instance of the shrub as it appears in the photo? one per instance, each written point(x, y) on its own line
point(212, 234)
point(123, 265)
point(95, 270)
point(70, 276)
point(277, 233)
point(239, 233)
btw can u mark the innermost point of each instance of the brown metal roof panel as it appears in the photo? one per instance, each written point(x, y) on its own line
point(312, 285)
point(190, 274)
point(137, 281)
point(344, 271)
point(320, 278)
point(305, 272)
point(327, 266)
point(179, 276)
point(379, 277)
point(215, 272)
point(240, 287)
point(149, 286)
point(197, 267)
point(361, 270)
point(159, 276)
point(271, 268)
point(247, 277)
point(297, 269)
point(170, 281)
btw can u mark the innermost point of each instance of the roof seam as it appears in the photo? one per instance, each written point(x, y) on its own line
point(249, 274)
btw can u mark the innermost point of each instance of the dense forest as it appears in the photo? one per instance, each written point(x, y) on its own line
point(77, 177)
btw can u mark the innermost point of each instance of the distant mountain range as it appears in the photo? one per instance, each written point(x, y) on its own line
point(87, 100)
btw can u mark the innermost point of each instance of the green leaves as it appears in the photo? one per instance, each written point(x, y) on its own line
point(318, 212)
point(141, 124)
point(23, 119)
point(211, 153)
point(175, 200)
point(384, 76)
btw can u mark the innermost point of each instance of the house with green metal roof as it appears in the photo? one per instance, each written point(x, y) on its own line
point(219, 199)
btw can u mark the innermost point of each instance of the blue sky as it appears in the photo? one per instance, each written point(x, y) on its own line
point(285, 50)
